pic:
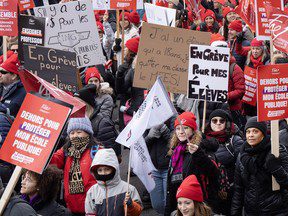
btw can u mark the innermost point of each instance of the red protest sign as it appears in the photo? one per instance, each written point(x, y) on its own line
point(34, 133)
point(8, 18)
point(262, 21)
point(246, 10)
point(272, 92)
point(250, 86)
point(26, 4)
point(123, 4)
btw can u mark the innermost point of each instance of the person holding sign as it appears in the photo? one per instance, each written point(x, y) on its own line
point(255, 167)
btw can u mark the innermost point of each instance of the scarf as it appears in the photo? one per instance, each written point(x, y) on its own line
point(178, 157)
point(78, 146)
point(222, 136)
point(256, 62)
point(33, 201)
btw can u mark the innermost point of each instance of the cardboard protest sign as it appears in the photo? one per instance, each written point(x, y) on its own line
point(55, 66)
point(246, 10)
point(34, 133)
point(262, 21)
point(208, 73)
point(8, 18)
point(160, 15)
point(163, 51)
point(72, 27)
point(26, 4)
point(272, 92)
point(31, 31)
point(250, 86)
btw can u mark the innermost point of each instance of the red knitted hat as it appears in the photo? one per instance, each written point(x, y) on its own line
point(256, 43)
point(133, 44)
point(208, 13)
point(100, 26)
point(227, 10)
point(92, 72)
point(236, 25)
point(134, 17)
point(126, 16)
point(191, 189)
point(217, 40)
point(11, 65)
point(187, 119)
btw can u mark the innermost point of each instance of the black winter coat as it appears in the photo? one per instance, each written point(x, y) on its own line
point(19, 207)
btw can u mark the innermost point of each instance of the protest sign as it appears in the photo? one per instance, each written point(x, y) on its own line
point(272, 92)
point(250, 86)
point(208, 73)
point(106, 5)
point(123, 4)
point(72, 27)
point(55, 66)
point(262, 21)
point(26, 4)
point(34, 133)
point(31, 31)
point(163, 51)
point(160, 15)
point(246, 11)
point(8, 18)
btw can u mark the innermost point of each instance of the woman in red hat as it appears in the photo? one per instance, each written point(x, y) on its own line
point(229, 15)
point(209, 23)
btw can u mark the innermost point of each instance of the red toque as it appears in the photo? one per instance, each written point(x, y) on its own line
point(227, 10)
point(236, 25)
point(12, 64)
point(191, 189)
point(126, 16)
point(134, 17)
point(92, 72)
point(100, 26)
point(133, 44)
point(256, 43)
point(216, 37)
point(208, 13)
point(187, 119)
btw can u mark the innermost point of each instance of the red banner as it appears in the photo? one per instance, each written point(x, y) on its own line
point(262, 20)
point(246, 10)
point(26, 4)
point(123, 4)
point(8, 18)
point(34, 133)
point(250, 86)
point(34, 83)
point(272, 92)
point(278, 27)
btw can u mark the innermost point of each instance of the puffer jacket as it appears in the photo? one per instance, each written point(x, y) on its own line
point(107, 198)
point(19, 207)
point(104, 101)
point(5, 125)
point(254, 191)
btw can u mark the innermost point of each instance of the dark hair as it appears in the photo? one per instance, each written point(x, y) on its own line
point(200, 209)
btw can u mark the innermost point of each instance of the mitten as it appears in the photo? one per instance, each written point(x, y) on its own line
point(272, 163)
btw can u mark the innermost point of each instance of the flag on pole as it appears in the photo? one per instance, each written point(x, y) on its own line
point(141, 164)
point(155, 110)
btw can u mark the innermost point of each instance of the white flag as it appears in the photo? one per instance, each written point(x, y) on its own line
point(155, 110)
point(141, 164)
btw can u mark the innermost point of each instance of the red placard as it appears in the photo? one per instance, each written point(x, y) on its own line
point(250, 86)
point(34, 133)
point(26, 4)
point(8, 18)
point(272, 92)
point(123, 4)
point(246, 10)
point(262, 21)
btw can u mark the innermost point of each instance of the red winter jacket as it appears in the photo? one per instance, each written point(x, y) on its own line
point(75, 202)
point(236, 87)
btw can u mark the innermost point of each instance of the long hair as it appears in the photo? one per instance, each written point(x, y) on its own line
point(200, 209)
point(265, 54)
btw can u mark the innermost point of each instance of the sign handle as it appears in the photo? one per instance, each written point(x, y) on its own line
point(4, 48)
point(204, 115)
point(117, 24)
point(122, 45)
point(128, 177)
point(9, 189)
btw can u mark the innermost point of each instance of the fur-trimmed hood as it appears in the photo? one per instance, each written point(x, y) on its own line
point(105, 89)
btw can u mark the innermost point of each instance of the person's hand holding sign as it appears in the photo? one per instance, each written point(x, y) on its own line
point(192, 147)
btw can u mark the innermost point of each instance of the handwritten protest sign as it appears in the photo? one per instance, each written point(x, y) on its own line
point(26, 4)
point(31, 31)
point(55, 66)
point(250, 86)
point(208, 73)
point(160, 15)
point(262, 21)
point(272, 92)
point(8, 18)
point(72, 27)
point(163, 51)
point(34, 133)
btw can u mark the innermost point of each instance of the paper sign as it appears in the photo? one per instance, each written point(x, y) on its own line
point(26, 4)
point(208, 73)
point(164, 51)
point(272, 92)
point(106, 5)
point(34, 133)
point(123, 4)
point(72, 27)
point(8, 18)
point(55, 66)
point(250, 86)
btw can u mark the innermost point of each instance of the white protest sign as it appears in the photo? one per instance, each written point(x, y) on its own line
point(208, 73)
point(160, 15)
point(72, 27)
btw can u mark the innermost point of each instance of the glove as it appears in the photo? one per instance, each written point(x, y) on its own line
point(248, 162)
point(240, 38)
point(272, 163)
point(117, 46)
point(122, 69)
point(154, 132)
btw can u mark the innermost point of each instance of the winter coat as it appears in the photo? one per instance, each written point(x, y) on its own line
point(253, 191)
point(104, 101)
point(240, 59)
point(13, 98)
point(283, 137)
point(75, 202)
point(5, 125)
point(107, 198)
point(19, 207)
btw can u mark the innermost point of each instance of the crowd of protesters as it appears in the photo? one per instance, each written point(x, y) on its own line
point(226, 169)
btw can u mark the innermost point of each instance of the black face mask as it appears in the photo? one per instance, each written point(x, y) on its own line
point(105, 177)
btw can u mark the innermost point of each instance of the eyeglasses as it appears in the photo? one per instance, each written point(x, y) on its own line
point(3, 72)
point(215, 120)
